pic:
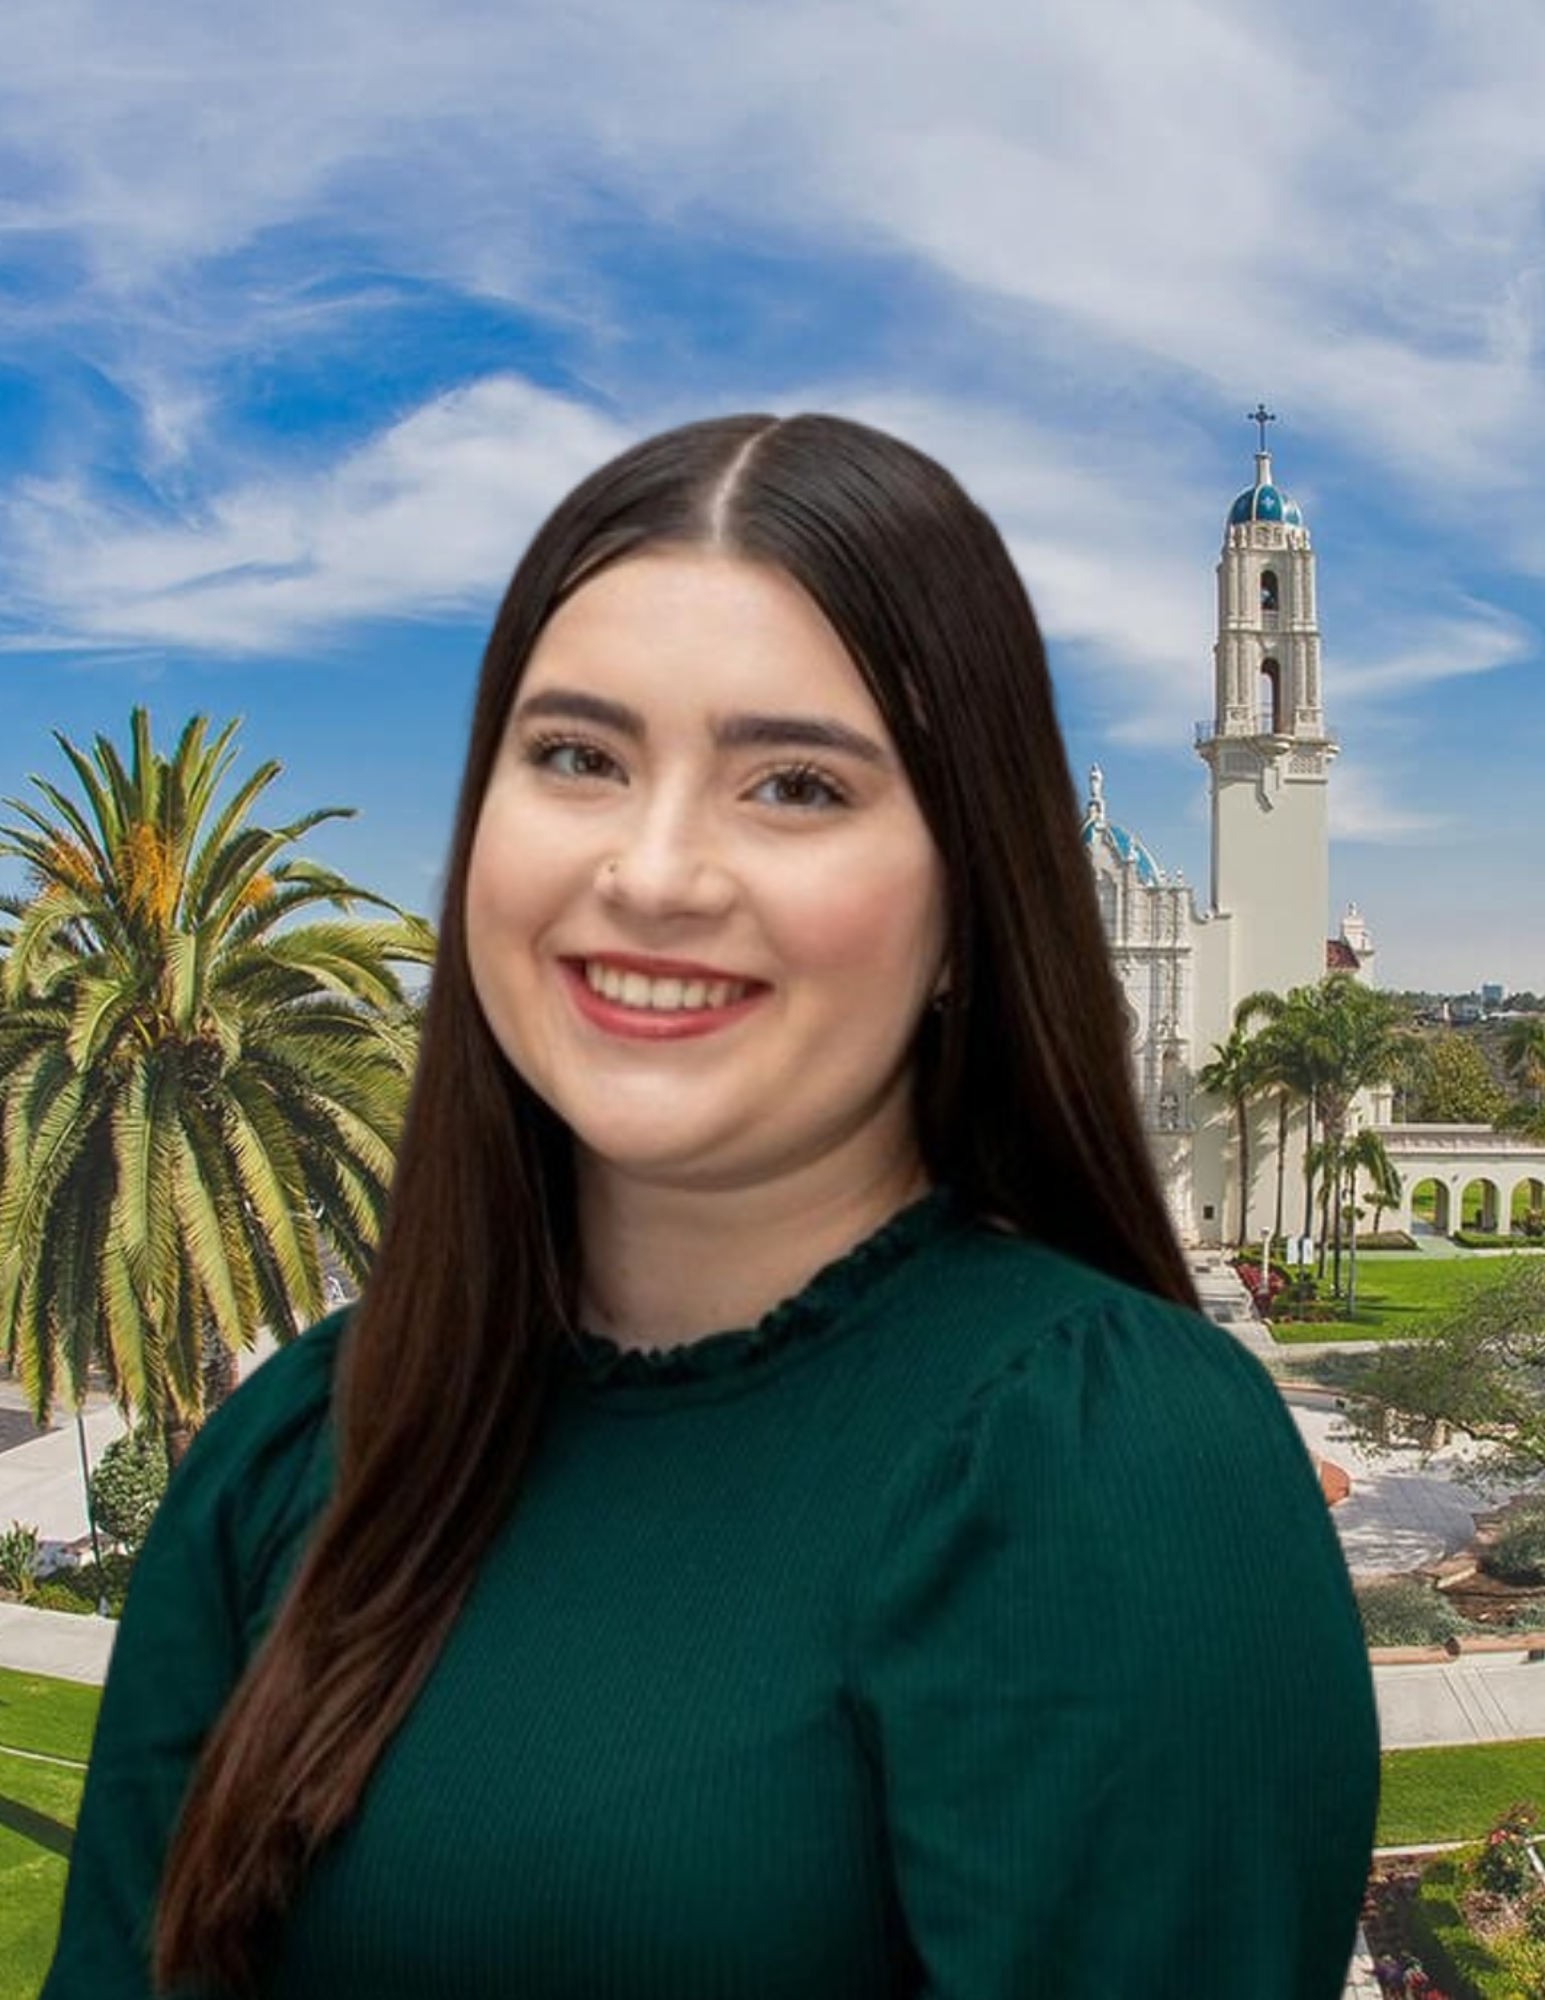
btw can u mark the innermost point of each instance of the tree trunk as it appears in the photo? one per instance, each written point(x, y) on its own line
point(1309, 1112)
point(1352, 1249)
point(1282, 1146)
point(176, 1435)
point(1336, 1180)
point(217, 1367)
point(1244, 1173)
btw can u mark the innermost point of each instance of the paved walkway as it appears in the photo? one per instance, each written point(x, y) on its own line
point(40, 1478)
point(1361, 1984)
point(59, 1643)
point(1400, 1513)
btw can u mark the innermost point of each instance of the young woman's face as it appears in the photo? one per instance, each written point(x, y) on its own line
point(704, 912)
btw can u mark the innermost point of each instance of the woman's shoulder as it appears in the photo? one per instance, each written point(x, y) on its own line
point(1018, 1309)
point(1063, 1406)
point(1011, 1355)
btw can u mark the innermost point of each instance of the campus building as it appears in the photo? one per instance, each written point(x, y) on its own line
point(1184, 965)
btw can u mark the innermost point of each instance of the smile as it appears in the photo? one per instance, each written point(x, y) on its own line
point(659, 1000)
point(671, 994)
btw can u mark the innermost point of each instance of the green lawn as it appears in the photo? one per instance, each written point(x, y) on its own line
point(38, 1804)
point(1455, 1794)
point(1396, 1294)
point(54, 1718)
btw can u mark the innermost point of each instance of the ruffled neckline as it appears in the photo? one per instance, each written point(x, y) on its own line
point(791, 1325)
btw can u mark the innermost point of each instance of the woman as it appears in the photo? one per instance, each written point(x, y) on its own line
point(779, 1528)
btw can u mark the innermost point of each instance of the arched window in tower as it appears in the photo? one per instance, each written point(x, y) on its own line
point(1271, 697)
point(1269, 594)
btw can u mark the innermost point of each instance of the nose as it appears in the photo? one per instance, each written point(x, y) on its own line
point(668, 863)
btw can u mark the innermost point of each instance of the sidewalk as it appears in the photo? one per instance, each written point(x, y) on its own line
point(61, 1644)
point(1484, 1698)
point(40, 1481)
point(1361, 1984)
point(1400, 1513)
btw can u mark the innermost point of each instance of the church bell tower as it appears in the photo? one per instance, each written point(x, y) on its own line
point(1267, 748)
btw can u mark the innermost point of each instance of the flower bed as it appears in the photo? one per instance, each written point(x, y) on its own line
point(1477, 1920)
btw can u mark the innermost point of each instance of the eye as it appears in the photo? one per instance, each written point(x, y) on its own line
point(571, 757)
point(801, 788)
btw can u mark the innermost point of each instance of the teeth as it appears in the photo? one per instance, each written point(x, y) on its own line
point(660, 996)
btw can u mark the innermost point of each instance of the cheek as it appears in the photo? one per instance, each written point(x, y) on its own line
point(500, 915)
point(487, 895)
point(511, 877)
point(885, 926)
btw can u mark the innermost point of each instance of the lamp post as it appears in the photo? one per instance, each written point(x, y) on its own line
point(91, 1512)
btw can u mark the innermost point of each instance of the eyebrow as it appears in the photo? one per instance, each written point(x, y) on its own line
point(735, 732)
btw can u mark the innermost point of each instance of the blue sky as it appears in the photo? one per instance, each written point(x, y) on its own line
point(309, 312)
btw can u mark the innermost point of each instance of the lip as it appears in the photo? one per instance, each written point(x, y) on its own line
point(638, 1024)
point(658, 968)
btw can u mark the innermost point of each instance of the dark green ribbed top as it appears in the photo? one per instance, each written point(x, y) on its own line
point(973, 1629)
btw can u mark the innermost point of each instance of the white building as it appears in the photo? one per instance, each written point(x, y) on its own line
point(1268, 751)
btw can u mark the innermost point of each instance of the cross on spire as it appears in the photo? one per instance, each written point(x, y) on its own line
point(1261, 417)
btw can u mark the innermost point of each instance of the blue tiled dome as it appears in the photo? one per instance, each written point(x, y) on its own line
point(1265, 502)
point(1126, 847)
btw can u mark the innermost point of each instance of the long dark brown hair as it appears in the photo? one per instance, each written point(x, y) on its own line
point(1023, 1105)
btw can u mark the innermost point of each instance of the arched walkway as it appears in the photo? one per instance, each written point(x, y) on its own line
point(1428, 1202)
point(1479, 1206)
point(1470, 1176)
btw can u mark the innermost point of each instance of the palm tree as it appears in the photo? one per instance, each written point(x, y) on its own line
point(1368, 1154)
point(1349, 1036)
point(1234, 1074)
point(197, 1088)
point(1282, 1070)
point(1366, 1151)
point(1326, 1043)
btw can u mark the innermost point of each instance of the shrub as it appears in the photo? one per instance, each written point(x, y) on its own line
point(1403, 1612)
point(1262, 1286)
point(19, 1560)
point(1502, 1866)
point(1518, 1553)
point(127, 1485)
point(85, 1587)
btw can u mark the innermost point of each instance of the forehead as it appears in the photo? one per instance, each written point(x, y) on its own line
point(697, 626)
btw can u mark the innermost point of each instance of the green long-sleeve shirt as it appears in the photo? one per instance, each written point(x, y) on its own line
point(972, 1629)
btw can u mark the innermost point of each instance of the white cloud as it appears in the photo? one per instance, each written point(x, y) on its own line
point(1385, 809)
point(1442, 646)
point(1168, 186)
point(1165, 209)
point(426, 518)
